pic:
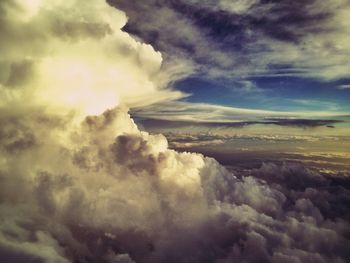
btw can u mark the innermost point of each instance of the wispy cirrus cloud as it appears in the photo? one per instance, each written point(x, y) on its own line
point(314, 103)
point(344, 86)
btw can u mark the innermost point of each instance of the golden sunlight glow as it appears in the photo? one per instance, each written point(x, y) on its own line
point(31, 7)
point(75, 84)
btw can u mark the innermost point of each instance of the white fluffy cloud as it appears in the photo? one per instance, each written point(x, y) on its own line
point(74, 54)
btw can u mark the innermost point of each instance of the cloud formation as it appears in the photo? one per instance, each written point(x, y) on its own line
point(52, 44)
point(246, 38)
point(106, 192)
point(93, 188)
point(179, 116)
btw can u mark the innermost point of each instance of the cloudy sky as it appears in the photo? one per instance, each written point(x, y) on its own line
point(110, 114)
point(284, 56)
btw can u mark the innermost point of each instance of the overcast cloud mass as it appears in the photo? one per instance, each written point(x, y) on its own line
point(79, 181)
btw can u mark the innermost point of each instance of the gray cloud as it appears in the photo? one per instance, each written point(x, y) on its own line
point(113, 193)
point(246, 38)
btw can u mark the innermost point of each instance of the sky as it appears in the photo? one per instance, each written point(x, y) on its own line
point(283, 56)
point(174, 131)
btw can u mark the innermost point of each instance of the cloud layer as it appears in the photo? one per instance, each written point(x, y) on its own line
point(93, 188)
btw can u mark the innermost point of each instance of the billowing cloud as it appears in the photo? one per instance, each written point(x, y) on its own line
point(96, 189)
point(105, 191)
point(53, 44)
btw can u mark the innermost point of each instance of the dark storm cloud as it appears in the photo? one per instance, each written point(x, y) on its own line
point(240, 38)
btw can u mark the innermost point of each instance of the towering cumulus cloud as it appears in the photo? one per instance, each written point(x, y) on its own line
point(81, 183)
point(74, 54)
